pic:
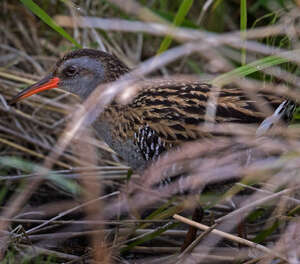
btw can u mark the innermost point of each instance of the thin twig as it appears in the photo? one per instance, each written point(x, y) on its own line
point(229, 236)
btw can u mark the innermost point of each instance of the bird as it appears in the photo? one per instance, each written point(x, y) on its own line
point(160, 117)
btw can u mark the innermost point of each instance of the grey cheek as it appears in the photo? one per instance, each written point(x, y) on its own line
point(85, 86)
point(88, 77)
point(72, 86)
point(67, 85)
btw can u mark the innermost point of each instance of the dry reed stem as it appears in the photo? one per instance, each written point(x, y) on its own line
point(92, 190)
point(159, 29)
point(229, 236)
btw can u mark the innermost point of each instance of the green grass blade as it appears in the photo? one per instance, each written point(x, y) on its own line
point(34, 8)
point(170, 17)
point(261, 236)
point(27, 166)
point(254, 67)
point(243, 27)
point(179, 18)
point(149, 236)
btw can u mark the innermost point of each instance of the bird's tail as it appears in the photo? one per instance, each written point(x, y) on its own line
point(283, 112)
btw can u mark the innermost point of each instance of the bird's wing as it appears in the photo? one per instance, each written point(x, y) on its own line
point(165, 116)
point(175, 112)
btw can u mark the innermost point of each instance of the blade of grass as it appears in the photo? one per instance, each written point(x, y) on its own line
point(150, 236)
point(29, 167)
point(169, 16)
point(243, 27)
point(34, 8)
point(163, 212)
point(262, 235)
point(31, 152)
point(182, 12)
point(254, 66)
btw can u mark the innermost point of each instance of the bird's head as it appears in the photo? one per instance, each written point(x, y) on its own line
point(78, 72)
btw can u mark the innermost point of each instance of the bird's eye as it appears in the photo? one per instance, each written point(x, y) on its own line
point(70, 71)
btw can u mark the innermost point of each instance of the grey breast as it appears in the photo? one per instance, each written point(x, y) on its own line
point(127, 150)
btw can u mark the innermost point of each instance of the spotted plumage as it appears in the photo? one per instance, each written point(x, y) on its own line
point(162, 115)
point(150, 144)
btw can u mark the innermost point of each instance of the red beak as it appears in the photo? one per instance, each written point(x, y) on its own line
point(47, 83)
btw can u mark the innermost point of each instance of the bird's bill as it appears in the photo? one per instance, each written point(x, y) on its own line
point(46, 83)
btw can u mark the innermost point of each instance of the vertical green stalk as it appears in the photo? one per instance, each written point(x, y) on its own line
point(243, 27)
point(180, 15)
